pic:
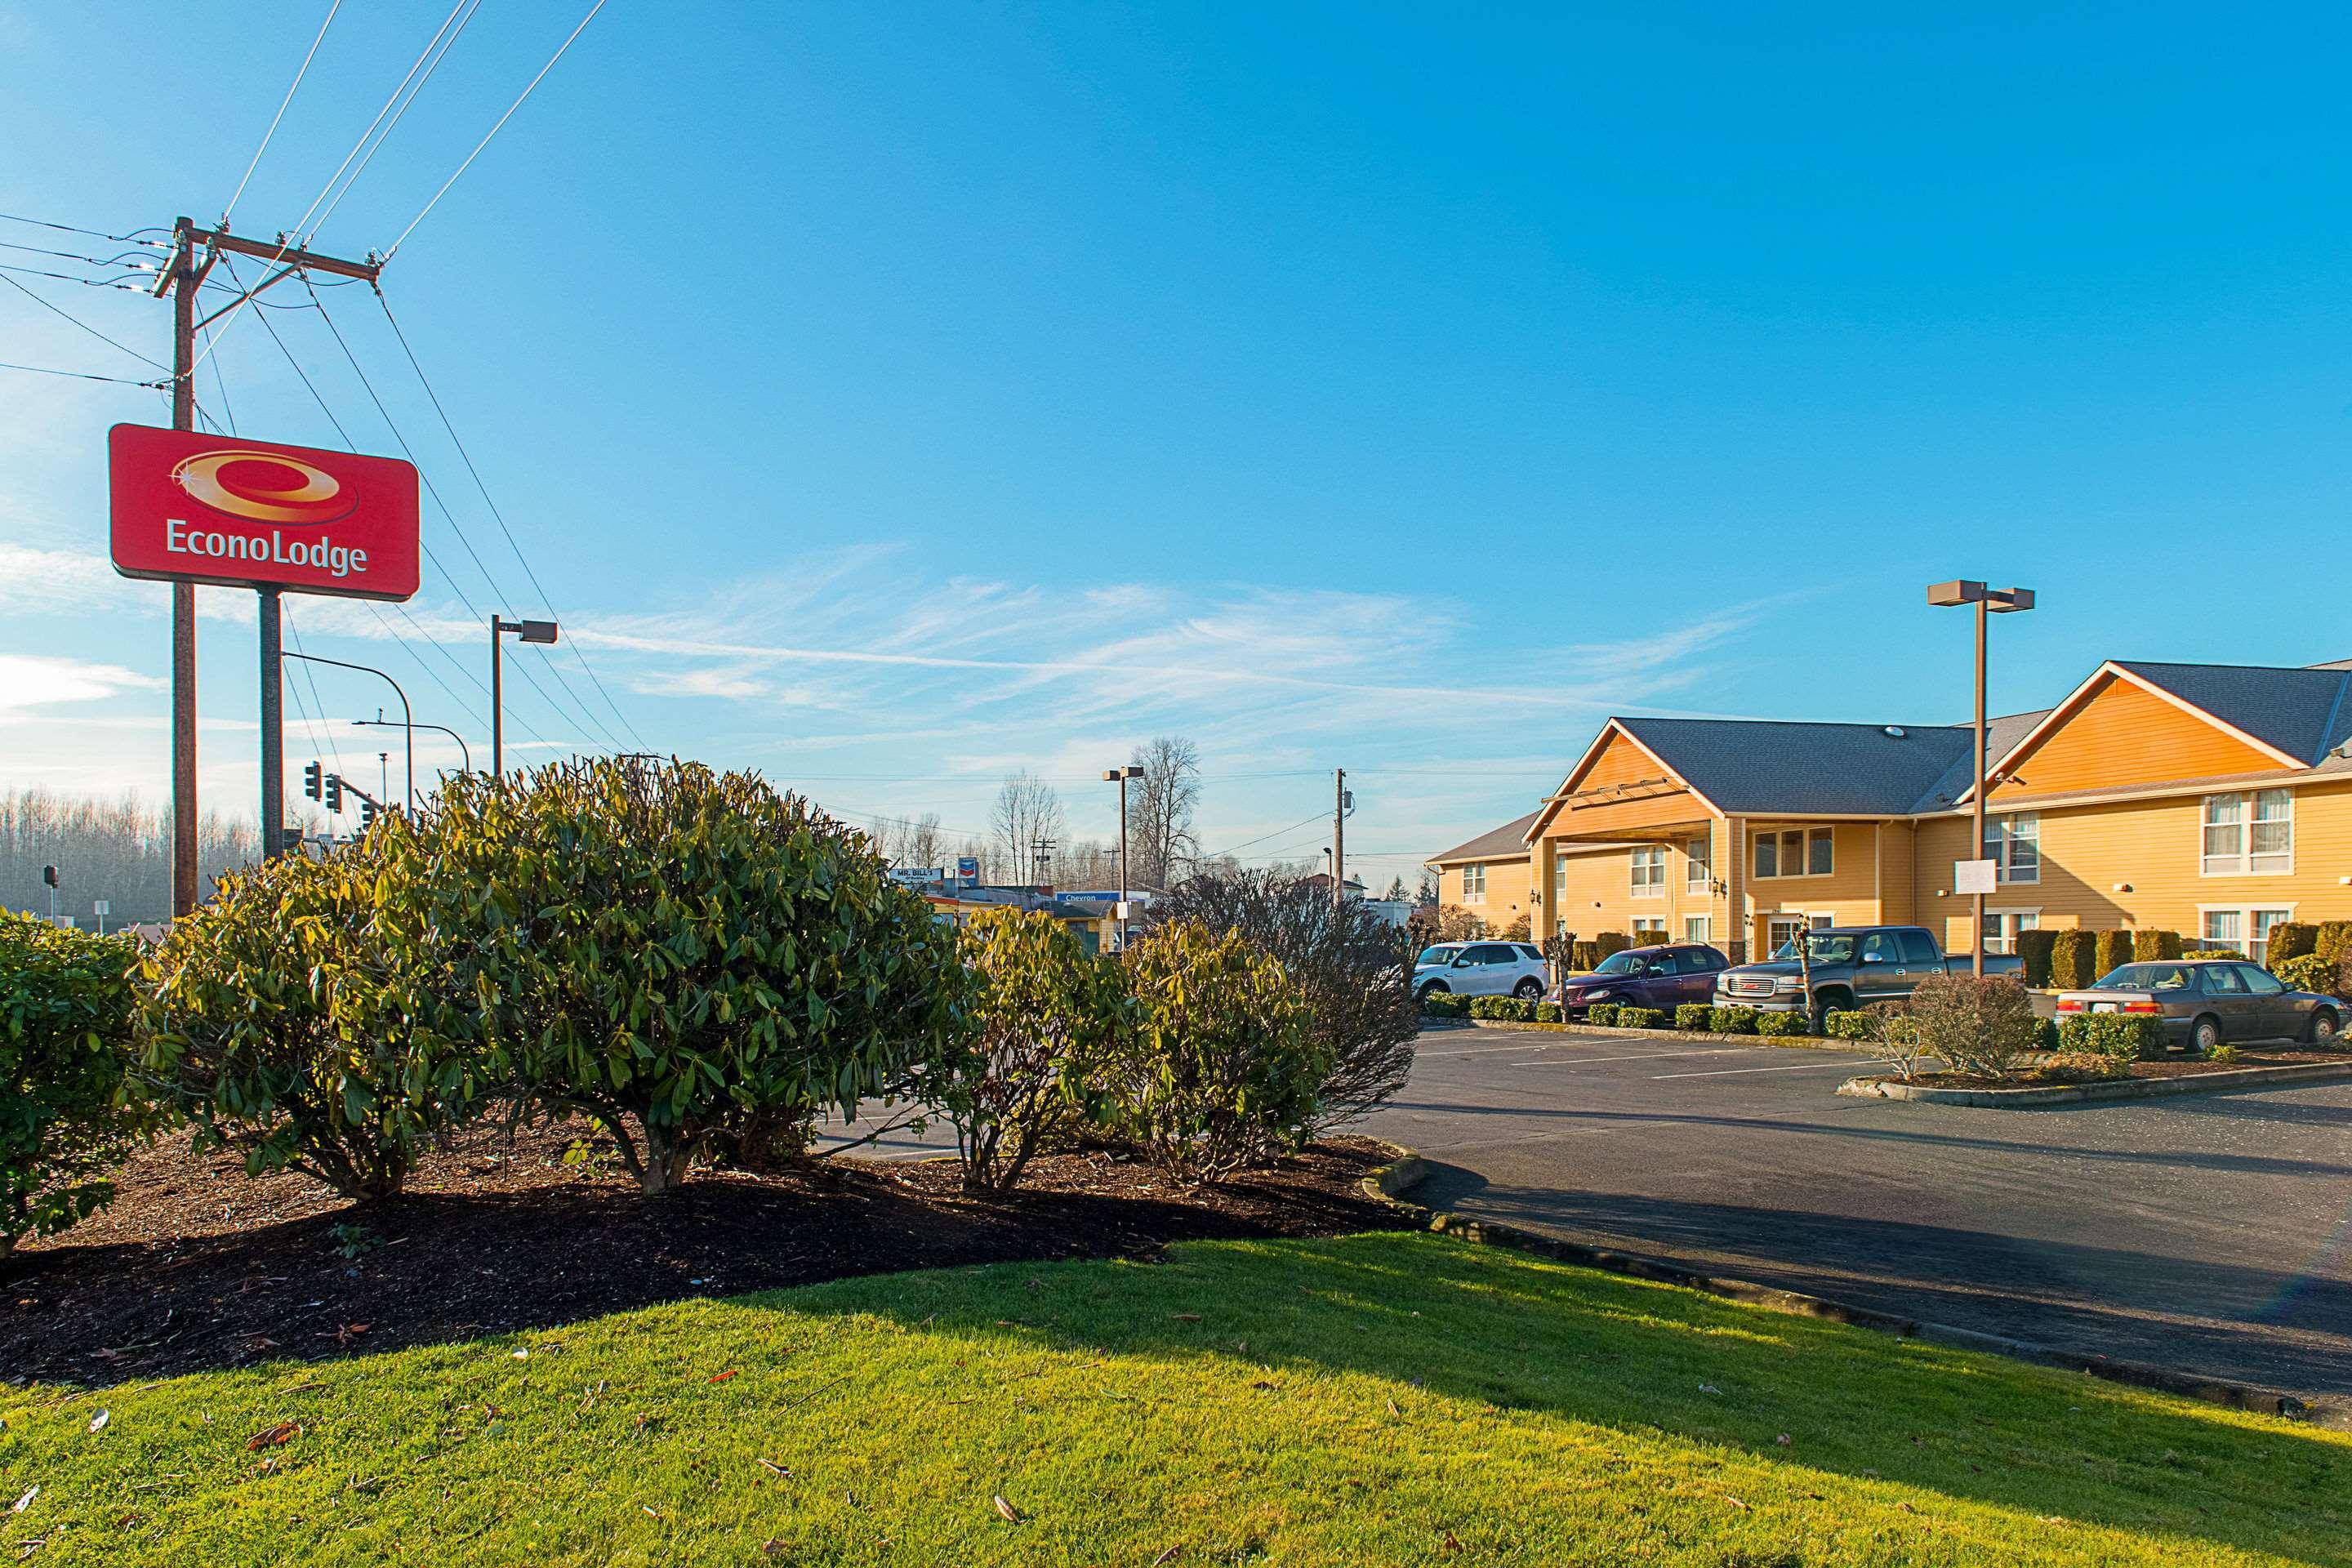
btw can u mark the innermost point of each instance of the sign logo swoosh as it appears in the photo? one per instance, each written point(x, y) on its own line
point(253, 485)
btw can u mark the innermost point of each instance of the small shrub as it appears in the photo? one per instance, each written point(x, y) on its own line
point(1610, 943)
point(1551, 1012)
point(288, 1020)
point(1446, 1005)
point(1602, 1015)
point(1732, 1020)
point(2334, 940)
point(1978, 1025)
point(1844, 1026)
point(1044, 1012)
point(1585, 956)
point(2071, 955)
point(1693, 1015)
point(2033, 951)
point(1503, 1009)
point(1221, 1067)
point(2110, 951)
point(2155, 946)
point(2124, 1037)
point(1780, 1025)
point(2292, 940)
point(67, 1113)
point(1893, 1036)
point(2222, 1053)
point(1641, 1017)
point(2045, 1035)
point(2082, 1066)
point(2308, 972)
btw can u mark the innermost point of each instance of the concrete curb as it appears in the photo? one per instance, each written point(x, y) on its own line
point(1407, 1167)
point(1611, 1031)
point(2121, 1089)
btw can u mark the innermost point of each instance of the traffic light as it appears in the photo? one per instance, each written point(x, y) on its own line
point(310, 782)
point(335, 793)
point(367, 815)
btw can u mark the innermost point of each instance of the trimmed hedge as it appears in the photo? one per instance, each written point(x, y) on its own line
point(2155, 946)
point(2334, 940)
point(1692, 1016)
point(1446, 1005)
point(1641, 1017)
point(2033, 951)
point(2110, 951)
point(2292, 940)
point(1602, 1015)
point(2045, 1035)
point(1609, 942)
point(2123, 1036)
point(2309, 972)
point(2071, 958)
point(2202, 953)
point(1842, 1026)
point(1503, 1009)
point(1585, 956)
point(1781, 1025)
point(1732, 1020)
point(2082, 1066)
point(1551, 1012)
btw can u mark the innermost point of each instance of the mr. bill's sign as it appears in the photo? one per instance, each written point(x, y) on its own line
point(217, 509)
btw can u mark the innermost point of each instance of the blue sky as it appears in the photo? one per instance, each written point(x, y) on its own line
point(890, 397)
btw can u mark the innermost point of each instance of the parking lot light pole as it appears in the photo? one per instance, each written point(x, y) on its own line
point(1119, 776)
point(1987, 601)
point(529, 631)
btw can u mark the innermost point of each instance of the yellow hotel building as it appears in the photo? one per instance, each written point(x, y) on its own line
point(2215, 800)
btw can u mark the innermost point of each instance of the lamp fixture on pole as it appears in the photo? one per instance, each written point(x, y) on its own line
point(529, 631)
point(1987, 601)
point(1120, 775)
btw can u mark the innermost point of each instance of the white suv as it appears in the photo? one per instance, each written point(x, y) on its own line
point(1480, 969)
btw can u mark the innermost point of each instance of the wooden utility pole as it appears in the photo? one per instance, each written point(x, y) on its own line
point(184, 276)
point(1338, 837)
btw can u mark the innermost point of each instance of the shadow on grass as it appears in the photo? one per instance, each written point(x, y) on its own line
point(1511, 1333)
point(435, 1267)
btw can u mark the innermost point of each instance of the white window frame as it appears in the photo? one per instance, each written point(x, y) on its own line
point(2244, 818)
point(2245, 942)
point(1559, 880)
point(1699, 869)
point(1804, 837)
point(2004, 835)
point(1699, 929)
point(1648, 925)
point(1474, 884)
point(2006, 923)
point(1648, 871)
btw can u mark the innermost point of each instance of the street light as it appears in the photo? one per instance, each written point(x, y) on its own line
point(529, 631)
point(1988, 602)
point(381, 723)
point(1120, 775)
point(407, 722)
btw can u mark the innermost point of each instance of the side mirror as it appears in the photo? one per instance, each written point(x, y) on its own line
point(1874, 958)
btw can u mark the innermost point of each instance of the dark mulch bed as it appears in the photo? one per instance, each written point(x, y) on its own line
point(196, 1266)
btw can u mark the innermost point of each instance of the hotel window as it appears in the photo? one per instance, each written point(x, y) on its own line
point(1649, 871)
point(1698, 928)
point(1559, 882)
point(2249, 834)
point(1797, 852)
point(2244, 931)
point(2002, 926)
point(2014, 844)
point(1647, 930)
point(1474, 884)
point(1698, 865)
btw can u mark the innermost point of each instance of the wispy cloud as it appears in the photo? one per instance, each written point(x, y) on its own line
point(33, 680)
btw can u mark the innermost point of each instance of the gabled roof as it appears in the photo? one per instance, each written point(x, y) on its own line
point(1762, 767)
point(2001, 736)
point(1507, 842)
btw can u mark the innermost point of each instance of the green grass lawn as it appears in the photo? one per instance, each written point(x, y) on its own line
point(1376, 1399)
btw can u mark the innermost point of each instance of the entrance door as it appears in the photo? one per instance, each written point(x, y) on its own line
point(1781, 929)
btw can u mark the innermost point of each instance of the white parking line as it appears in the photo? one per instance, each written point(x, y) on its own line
point(1643, 1056)
point(1484, 1050)
point(1729, 1072)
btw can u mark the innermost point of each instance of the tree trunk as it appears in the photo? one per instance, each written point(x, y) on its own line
point(665, 1165)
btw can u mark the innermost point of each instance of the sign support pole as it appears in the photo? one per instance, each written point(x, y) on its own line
point(273, 730)
point(184, 278)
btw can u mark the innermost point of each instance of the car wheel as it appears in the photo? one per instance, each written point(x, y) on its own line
point(1434, 988)
point(2323, 1026)
point(1528, 990)
point(2205, 1036)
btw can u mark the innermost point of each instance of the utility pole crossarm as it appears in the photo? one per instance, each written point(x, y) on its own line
point(292, 255)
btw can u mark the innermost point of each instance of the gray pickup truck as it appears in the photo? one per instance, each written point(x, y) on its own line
point(1850, 967)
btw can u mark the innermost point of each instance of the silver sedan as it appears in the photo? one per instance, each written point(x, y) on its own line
point(2206, 1003)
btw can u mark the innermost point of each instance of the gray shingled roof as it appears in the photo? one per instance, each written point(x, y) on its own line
point(2001, 735)
point(2302, 712)
point(1507, 842)
point(1758, 767)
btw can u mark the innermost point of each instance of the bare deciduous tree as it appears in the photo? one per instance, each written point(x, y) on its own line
point(1160, 836)
point(120, 852)
point(1027, 811)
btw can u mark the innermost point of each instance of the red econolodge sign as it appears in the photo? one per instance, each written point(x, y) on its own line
point(192, 506)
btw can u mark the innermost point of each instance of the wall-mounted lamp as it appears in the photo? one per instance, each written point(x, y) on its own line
point(2122, 888)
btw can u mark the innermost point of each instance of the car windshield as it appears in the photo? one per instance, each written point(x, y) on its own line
point(1430, 955)
point(1623, 963)
point(1820, 949)
point(2147, 977)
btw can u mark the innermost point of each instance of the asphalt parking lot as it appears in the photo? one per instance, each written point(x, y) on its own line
point(2206, 1232)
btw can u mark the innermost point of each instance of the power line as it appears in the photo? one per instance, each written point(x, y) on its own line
point(494, 130)
point(130, 239)
point(500, 517)
point(292, 87)
point(1263, 837)
point(85, 326)
point(83, 375)
point(469, 8)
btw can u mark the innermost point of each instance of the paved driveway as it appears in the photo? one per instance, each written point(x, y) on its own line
point(2204, 1231)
